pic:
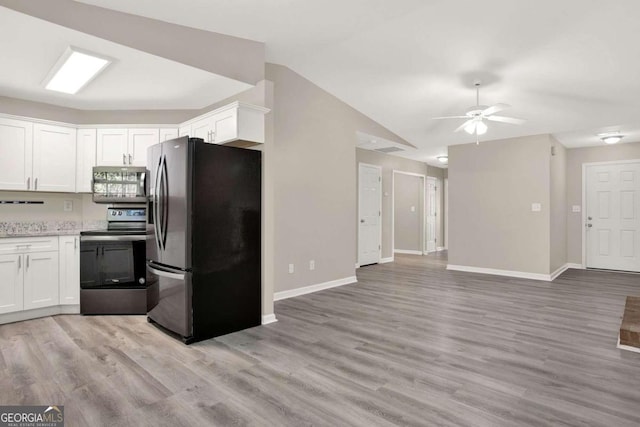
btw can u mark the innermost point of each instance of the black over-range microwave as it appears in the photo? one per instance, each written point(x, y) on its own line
point(118, 184)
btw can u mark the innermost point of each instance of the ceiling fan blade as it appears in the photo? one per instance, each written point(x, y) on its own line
point(494, 109)
point(464, 125)
point(450, 117)
point(510, 120)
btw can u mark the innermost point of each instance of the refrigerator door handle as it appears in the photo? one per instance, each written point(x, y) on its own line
point(165, 273)
point(156, 209)
point(165, 202)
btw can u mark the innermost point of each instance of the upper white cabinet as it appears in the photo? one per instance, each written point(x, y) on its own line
point(16, 154)
point(112, 147)
point(85, 159)
point(54, 158)
point(167, 134)
point(139, 141)
point(235, 124)
point(125, 147)
point(184, 130)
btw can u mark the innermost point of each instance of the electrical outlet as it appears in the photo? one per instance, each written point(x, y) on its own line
point(536, 207)
point(291, 269)
point(68, 205)
point(312, 265)
point(576, 208)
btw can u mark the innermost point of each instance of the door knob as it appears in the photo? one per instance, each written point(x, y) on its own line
point(589, 218)
point(362, 220)
point(589, 225)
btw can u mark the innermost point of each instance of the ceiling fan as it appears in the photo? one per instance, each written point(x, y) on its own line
point(477, 114)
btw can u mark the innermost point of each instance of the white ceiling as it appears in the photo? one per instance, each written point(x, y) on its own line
point(569, 67)
point(136, 80)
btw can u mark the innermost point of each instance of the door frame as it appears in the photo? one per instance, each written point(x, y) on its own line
point(359, 209)
point(445, 213)
point(393, 209)
point(437, 209)
point(584, 200)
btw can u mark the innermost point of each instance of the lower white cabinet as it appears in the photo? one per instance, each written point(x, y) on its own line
point(41, 280)
point(11, 283)
point(38, 273)
point(69, 270)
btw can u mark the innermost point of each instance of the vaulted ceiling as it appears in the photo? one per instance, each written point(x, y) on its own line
point(569, 67)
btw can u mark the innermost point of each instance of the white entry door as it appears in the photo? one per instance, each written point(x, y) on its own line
point(432, 200)
point(369, 214)
point(613, 216)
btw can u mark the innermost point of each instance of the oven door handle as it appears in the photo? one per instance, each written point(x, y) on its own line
point(119, 238)
point(162, 272)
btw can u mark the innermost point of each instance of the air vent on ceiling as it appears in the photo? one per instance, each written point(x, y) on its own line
point(388, 149)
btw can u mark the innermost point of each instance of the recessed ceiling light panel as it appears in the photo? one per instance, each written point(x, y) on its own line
point(74, 70)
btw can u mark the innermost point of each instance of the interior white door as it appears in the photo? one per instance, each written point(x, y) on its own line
point(370, 213)
point(432, 213)
point(446, 213)
point(613, 216)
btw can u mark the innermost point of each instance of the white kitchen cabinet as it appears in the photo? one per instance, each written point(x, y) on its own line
point(112, 147)
point(167, 134)
point(235, 124)
point(124, 147)
point(54, 158)
point(16, 161)
point(41, 280)
point(11, 281)
point(139, 141)
point(85, 159)
point(69, 284)
point(184, 130)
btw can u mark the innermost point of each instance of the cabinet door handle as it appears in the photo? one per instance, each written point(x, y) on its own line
point(27, 262)
point(19, 262)
point(129, 158)
point(75, 243)
point(35, 187)
point(124, 159)
point(29, 183)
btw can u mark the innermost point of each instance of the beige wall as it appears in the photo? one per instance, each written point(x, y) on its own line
point(576, 157)
point(491, 189)
point(558, 206)
point(388, 164)
point(314, 180)
point(408, 211)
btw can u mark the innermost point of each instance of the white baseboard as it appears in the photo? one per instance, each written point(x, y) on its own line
point(314, 288)
point(19, 316)
point(558, 272)
point(269, 318)
point(357, 265)
point(627, 347)
point(407, 252)
point(496, 272)
point(576, 266)
point(385, 260)
point(441, 248)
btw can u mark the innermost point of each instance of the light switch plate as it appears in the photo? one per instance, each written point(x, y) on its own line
point(576, 208)
point(291, 269)
point(536, 207)
point(68, 205)
point(413, 208)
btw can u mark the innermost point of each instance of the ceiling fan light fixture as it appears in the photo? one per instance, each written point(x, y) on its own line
point(481, 128)
point(470, 128)
point(611, 137)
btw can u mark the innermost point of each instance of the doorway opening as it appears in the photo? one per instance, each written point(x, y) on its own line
point(408, 213)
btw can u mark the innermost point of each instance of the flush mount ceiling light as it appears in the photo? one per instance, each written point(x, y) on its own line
point(74, 70)
point(443, 159)
point(610, 137)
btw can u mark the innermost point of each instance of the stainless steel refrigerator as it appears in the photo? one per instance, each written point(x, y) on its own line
point(205, 222)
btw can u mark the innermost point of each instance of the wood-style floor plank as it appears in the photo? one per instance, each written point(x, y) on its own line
point(410, 344)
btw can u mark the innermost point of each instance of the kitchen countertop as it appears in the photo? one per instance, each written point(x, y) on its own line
point(10, 229)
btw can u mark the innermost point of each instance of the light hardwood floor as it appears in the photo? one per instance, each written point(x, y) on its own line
point(410, 344)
